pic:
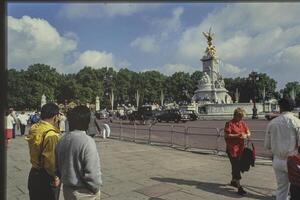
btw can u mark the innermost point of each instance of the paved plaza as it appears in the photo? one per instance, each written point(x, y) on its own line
point(134, 171)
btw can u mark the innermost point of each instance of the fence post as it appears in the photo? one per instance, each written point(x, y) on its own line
point(185, 138)
point(134, 139)
point(217, 140)
point(121, 130)
point(172, 135)
point(149, 132)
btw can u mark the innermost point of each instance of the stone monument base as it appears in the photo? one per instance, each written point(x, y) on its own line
point(228, 109)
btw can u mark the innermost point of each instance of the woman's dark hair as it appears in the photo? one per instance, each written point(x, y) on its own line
point(79, 118)
point(49, 110)
point(286, 104)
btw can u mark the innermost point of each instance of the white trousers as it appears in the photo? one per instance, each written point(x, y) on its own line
point(281, 173)
point(79, 194)
point(105, 131)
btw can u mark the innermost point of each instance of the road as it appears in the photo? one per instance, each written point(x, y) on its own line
point(200, 134)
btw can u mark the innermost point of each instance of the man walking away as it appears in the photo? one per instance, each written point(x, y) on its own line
point(77, 159)
point(42, 139)
point(282, 138)
point(23, 118)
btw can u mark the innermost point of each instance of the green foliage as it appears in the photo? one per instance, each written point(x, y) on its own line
point(248, 88)
point(292, 86)
point(25, 87)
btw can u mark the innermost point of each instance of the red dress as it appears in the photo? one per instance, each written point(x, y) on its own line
point(235, 146)
point(8, 133)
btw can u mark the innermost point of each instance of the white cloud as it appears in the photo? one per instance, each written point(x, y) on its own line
point(248, 36)
point(163, 28)
point(32, 40)
point(146, 44)
point(94, 59)
point(231, 71)
point(285, 65)
point(103, 10)
point(171, 24)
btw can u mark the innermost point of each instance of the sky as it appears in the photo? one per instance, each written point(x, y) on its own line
point(167, 37)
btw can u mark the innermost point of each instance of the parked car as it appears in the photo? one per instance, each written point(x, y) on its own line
point(192, 114)
point(102, 114)
point(274, 114)
point(144, 114)
point(172, 115)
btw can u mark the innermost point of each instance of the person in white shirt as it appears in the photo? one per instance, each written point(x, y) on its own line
point(62, 123)
point(16, 123)
point(23, 118)
point(282, 138)
point(106, 131)
point(9, 125)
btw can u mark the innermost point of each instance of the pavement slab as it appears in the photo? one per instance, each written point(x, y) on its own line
point(132, 171)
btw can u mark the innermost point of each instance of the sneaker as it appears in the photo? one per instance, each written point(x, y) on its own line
point(241, 191)
point(234, 184)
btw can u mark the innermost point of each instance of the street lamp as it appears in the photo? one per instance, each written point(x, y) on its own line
point(253, 76)
point(107, 79)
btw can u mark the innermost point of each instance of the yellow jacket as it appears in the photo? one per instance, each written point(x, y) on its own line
point(35, 137)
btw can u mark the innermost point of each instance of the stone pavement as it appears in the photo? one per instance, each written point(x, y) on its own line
point(134, 171)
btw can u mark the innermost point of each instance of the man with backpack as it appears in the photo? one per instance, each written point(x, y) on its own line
point(42, 139)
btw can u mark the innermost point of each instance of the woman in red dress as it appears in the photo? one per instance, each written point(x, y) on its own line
point(8, 126)
point(236, 131)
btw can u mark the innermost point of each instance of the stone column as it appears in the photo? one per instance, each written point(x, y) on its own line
point(97, 103)
point(43, 100)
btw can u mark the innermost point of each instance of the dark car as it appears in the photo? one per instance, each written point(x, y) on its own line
point(192, 114)
point(172, 115)
point(272, 115)
point(144, 114)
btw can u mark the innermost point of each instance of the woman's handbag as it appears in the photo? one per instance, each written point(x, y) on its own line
point(248, 157)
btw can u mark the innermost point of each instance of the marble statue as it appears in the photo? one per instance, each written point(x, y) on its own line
point(205, 79)
point(43, 100)
point(97, 103)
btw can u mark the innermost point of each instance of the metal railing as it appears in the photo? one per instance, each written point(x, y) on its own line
point(180, 136)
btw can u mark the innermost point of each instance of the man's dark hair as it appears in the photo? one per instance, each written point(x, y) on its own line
point(79, 118)
point(286, 104)
point(49, 110)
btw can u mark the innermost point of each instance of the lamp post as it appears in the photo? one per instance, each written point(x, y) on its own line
point(107, 86)
point(253, 76)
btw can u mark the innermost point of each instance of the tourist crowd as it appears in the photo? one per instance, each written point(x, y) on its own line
point(69, 156)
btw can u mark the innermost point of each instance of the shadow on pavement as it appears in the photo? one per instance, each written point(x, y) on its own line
point(216, 188)
point(155, 198)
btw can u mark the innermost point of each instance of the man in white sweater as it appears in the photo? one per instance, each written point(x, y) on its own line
point(282, 138)
point(77, 159)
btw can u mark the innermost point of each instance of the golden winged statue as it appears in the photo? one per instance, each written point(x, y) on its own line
point(210, 50)
point(209, 36)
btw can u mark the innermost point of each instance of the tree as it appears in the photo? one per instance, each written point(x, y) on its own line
point(246, 87)
point(151, 85)
point(291, 87)
point(196, 76)
point(90, 84)
point(179, 86)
